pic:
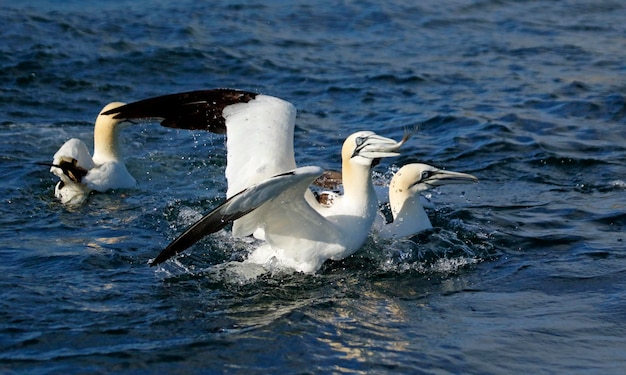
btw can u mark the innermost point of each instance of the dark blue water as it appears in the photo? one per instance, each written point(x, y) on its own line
point(525, 272)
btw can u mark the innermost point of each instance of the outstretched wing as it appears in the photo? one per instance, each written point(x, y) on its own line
point(292, 183)
point(193, 110)
point(259, 128)
point(259, 141)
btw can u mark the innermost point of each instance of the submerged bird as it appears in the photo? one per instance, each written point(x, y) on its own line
point(267, 195)
point(405, 200)
point(80, 173)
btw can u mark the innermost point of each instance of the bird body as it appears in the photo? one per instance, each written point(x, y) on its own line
point(267, 195)
point(300, 233)
point(80, 173)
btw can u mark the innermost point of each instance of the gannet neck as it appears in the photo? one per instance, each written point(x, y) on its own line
point(409, 216)
point(357, 181)
point(105, 136)
point(404, 189)
point(353, 213)
point(358, 153)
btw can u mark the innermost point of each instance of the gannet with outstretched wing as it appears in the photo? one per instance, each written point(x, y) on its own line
point(405, 200)
point(80, 173)
point(267, 195)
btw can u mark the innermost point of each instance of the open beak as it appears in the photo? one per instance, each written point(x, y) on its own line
point(377, 146)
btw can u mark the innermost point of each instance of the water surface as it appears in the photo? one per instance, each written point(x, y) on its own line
point(524, 272)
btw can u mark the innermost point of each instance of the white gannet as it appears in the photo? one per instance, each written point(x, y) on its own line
point(405, 197)
point(81, 173)
point(267, 195)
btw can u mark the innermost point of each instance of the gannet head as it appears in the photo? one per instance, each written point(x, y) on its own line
point(365, 146)
point(414, 178)
point(105, 135)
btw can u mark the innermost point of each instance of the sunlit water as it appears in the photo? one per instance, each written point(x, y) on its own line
point(524, 272)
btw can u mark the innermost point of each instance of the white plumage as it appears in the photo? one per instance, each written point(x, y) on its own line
point(80, 173)
point(267, 195)
point(405, 200)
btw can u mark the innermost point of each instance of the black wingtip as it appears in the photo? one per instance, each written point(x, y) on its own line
point(70, 168)
point(208, 224)
point(192, 110)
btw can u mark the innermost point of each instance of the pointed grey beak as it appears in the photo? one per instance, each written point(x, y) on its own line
point(442, 177)
point(377, 146)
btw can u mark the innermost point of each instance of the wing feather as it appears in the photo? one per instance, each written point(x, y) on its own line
point(259, 128)
point(193, 110)
point(292, 183)
point(259, 141)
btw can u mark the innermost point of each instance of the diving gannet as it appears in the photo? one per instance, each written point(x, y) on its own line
point(80, 173)
point(267, 195)
point(405, 200)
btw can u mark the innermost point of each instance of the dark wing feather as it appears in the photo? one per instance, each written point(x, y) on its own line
point(70, 168)
point(193, 110)
point(210, 223)
point(238, 206)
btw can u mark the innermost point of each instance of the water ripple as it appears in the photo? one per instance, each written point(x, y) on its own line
point(528, 263)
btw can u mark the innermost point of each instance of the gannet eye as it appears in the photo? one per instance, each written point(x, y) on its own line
point(360, 140)
point(426, 175)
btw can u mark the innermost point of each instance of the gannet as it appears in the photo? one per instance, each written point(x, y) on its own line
point(80, 173)
point(405, 200)
point(267, 195)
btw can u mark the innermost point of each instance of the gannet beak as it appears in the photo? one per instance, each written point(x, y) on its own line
point(441, 177)
point(376, 146)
